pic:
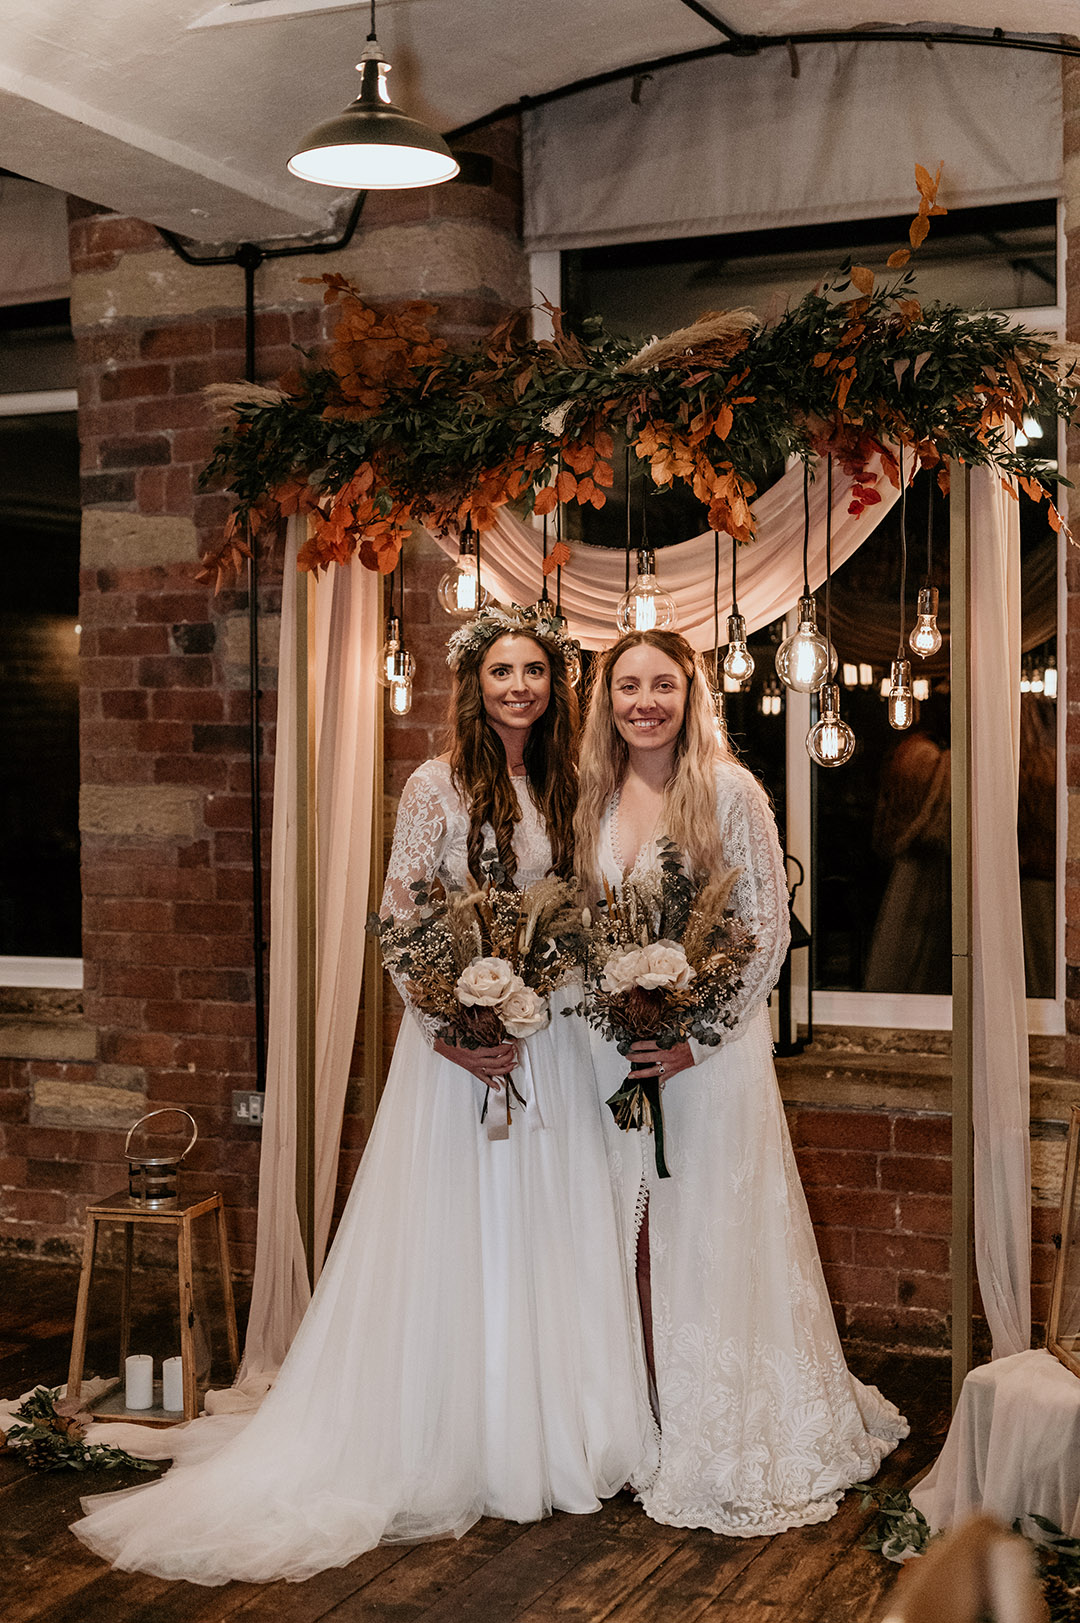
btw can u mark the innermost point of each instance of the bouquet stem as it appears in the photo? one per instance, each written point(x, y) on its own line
point(637, 1104)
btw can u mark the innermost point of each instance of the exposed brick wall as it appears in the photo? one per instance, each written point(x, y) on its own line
point(878, 1184)
point(163, 684)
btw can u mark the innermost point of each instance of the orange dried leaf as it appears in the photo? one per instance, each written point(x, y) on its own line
point(724, 419)
point(557, 558)
point(900, 257)
point(565, 486)
point(917, 230)
point(863, 279)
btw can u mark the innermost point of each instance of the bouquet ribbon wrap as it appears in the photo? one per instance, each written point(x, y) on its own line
point(637, 1104)
point(518, 1089)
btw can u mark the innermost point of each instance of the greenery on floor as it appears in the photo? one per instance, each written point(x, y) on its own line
point(901, 1532)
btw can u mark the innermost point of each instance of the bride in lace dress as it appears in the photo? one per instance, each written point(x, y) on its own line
point(472, 1347)
point(762, 1426)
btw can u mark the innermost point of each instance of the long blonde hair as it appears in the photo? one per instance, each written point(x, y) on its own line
point(689, 815)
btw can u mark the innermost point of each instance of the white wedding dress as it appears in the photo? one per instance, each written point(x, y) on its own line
point(762, 1426)
point(472, 1347)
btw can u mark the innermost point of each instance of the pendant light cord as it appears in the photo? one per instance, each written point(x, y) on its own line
point(806, 528)
point(734, 576)
point(828, 559)
point(903, 553)
point(627, 515)
point(543, 576)
point(371, 35)
point(716, 610)
point(930, 532)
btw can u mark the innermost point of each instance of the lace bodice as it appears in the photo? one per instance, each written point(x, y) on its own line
point(751, 844)
point(430, 842)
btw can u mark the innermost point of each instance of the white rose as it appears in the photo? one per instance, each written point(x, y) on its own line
point(665, 965)
point(622, 970)
point(523, 1011)
point(487, 981)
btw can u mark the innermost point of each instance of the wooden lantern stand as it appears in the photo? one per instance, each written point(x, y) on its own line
point(120, 1208)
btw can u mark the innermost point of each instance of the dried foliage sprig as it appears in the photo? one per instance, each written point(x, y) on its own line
point(49, 1434)
point(394, 428)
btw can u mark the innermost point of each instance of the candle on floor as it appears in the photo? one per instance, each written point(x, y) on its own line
point(139, 1381)
point(172, 1380)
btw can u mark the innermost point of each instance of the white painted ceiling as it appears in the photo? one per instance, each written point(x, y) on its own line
point(184, 112)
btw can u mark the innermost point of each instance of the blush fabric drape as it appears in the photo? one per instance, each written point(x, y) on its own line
point(769, 570)
point(347, 640)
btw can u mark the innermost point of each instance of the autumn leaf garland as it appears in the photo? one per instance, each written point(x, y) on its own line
point(394, 428)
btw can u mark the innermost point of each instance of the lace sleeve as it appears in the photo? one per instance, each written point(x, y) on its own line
point(751, 843)
point(419, 836)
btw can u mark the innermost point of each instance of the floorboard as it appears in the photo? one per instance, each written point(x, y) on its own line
point(616, 1566)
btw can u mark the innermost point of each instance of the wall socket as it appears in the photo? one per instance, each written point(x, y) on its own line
point(247, 1108)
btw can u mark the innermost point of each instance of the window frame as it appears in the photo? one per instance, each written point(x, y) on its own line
point(884, 1010)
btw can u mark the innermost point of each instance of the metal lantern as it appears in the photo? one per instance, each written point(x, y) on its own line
point(152, 1178)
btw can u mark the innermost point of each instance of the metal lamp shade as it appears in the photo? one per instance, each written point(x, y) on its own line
point(373, 146)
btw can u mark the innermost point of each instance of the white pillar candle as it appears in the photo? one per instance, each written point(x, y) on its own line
point(172, 1381)
point(139, 1381)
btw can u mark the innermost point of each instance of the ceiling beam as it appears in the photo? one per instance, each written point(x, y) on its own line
point(995, 38)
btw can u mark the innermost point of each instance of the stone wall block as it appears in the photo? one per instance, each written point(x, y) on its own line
point(153, 811)
point(54, 1102)
point(136, 540)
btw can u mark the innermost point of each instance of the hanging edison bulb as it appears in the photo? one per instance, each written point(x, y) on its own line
point(401, 683)
point(925, 636)
point(389, 649)
point(738, 663)
point(646, 606)
point(805, 659)
point(460, 592)
point(901, 698)
point(830, 741)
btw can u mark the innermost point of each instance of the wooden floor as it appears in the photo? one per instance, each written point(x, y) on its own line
point(616, 1565)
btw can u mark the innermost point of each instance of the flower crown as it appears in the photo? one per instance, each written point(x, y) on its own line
point(539, 621)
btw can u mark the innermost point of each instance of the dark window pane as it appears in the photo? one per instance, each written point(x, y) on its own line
point(40, 911)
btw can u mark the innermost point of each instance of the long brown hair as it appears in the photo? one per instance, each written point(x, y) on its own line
point(480, 773)
point(689, 816)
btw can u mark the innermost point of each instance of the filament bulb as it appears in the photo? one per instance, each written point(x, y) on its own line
point(460, 592)
point(389, 649)
point(646, 607)
point(806, 659)
point(738, 662)
point(901, 698)
point(925, 636)
point(401, 683)
point(830, 741)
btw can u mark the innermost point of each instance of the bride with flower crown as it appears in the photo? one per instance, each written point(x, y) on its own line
point(472, 1347)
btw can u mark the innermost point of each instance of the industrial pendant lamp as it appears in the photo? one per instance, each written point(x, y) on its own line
point(373, 145)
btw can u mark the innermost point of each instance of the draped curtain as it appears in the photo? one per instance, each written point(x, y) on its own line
point(770, 570)
point(347, 640)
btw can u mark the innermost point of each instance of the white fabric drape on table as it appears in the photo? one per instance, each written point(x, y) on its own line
point(347, 640)
point(769, 569)
point(737, 144)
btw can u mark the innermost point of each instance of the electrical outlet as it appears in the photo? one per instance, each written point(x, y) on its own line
point(247, 1108)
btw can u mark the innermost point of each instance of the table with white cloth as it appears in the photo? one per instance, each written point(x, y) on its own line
point(1013, 1448)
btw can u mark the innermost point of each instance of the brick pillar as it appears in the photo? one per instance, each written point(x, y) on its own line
point(165, 798)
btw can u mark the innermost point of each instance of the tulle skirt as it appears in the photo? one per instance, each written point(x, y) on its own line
point(763, 1427)
point(472, 1347)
